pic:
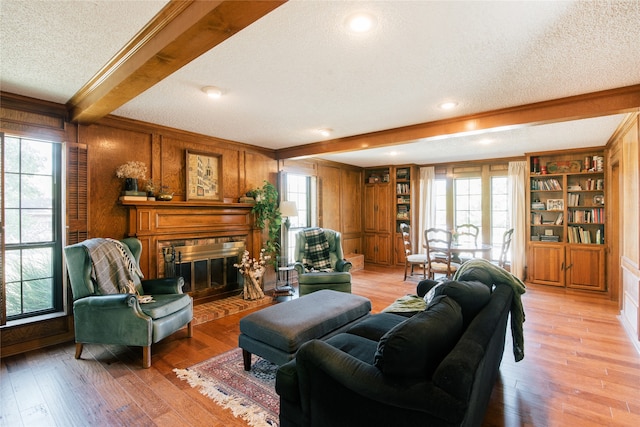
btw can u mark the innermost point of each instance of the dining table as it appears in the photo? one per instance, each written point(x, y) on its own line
point(481, 249)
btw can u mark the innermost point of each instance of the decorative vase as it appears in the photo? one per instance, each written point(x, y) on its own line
point(252, 287)
point(130, 184)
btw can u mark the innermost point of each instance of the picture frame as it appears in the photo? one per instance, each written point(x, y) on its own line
point(555, 205)
point(203, 176)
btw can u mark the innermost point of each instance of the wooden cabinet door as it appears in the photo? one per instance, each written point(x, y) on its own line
point(369, 208)
point(377, 248)
point(585, 267)
point(370, 248)
point(384, 208)
point(546, 264)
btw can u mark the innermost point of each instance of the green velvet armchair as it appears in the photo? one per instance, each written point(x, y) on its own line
point(120, 318)
point(335, 276)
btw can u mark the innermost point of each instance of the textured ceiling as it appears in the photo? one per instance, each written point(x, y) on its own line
point(297, 69)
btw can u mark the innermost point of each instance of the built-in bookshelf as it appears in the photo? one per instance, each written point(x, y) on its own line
point(567, 219)
point(403, 196)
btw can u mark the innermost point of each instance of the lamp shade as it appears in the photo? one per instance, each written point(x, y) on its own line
point(288, 209)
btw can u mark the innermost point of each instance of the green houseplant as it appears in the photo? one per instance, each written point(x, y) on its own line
point(268, 215)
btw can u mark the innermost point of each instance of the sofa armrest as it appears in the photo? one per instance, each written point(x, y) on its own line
point(166, 285)
point(343, 265)
point(325, 372)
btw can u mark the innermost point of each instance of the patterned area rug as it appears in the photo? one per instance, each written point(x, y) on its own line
point(249, 395)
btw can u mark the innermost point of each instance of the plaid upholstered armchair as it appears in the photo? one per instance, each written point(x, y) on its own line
point(320, 263)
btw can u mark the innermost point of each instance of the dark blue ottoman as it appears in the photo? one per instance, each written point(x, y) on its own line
point(275, 333)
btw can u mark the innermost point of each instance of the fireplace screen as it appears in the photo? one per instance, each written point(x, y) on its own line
point(205, 268)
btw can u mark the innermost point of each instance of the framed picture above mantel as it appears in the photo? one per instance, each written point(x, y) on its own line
point(204, 176)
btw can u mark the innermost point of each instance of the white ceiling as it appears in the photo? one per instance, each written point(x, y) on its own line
point(298, 69)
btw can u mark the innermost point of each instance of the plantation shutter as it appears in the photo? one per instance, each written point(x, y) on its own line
point(77, 193)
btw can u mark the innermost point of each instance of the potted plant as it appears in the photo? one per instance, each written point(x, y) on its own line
point(268, 215)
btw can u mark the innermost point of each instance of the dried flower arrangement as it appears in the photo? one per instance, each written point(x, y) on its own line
point(252, 269)
point(132, 169)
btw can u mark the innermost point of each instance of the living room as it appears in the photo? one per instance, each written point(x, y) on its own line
point(113, 140)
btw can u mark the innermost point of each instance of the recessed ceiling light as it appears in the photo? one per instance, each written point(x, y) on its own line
point(485, 141)
point(393, 153)
point(361, 22)
point(212, 92)
point(325, 132)
point(449, 105)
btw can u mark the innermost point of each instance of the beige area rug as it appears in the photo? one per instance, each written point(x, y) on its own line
point(249, 395)
point(213, 310)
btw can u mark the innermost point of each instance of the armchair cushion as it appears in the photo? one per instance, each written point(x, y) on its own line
point(316, 250)
point(416, 346)
point(164, 305)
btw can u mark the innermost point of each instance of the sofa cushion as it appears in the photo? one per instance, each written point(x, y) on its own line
point(375, 326)
point(471, 296)
point(416, 346)
point(359, 347)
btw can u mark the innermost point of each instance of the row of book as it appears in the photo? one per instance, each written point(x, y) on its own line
point(538, 219)
point(587, 216)
point(550, 184)
point(594, 184)
point(403, 212)
point(402, 188)
point(580, 235)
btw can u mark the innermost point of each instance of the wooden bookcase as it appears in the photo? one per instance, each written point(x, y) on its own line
point(566, 219)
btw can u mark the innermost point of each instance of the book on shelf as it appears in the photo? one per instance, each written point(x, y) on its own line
point(550, 184)
point(573, 199)
point(133, 193)
point(559, 219)
point(133, 198)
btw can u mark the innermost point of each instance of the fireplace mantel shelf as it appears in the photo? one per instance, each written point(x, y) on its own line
point(186, 204)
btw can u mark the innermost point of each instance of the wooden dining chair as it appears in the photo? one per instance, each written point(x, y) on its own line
point(439, 254)
point(504, 251)
point(467, 233)
point(411, 258)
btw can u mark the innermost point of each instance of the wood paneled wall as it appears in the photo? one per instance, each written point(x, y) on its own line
point(111, 142)
point(114, 141)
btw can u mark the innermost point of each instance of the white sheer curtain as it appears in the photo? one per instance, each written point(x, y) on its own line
point(517, 188)
point(427, 203)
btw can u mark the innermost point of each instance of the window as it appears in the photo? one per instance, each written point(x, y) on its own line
point(298, 188)
point(441, 203)
point(33, 223)
point(468, 202)
point(500, 213)
point(474, 194)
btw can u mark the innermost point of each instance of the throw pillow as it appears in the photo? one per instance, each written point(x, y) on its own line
point(416, 346)
point(471, 296)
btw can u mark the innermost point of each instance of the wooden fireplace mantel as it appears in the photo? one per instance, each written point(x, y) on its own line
point(153, 222)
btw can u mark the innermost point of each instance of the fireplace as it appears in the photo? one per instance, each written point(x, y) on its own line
point(206, 266)
point(196, 240)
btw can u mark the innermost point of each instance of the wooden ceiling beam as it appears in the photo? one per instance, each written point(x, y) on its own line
point(178, 34)
point(614, 101)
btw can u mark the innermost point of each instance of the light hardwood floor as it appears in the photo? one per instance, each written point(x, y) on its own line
point(580, 368)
